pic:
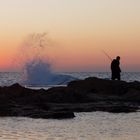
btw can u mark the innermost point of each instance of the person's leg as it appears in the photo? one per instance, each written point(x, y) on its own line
point(113, 76)
point(119, 77)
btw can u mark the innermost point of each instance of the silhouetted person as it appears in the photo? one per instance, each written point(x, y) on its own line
point(115, 68)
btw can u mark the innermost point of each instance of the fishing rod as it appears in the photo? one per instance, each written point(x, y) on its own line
point(107, 55)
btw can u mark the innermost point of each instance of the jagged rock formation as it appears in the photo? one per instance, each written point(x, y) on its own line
point(91, 94)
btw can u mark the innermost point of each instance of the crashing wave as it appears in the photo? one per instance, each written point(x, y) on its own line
point(39, 73)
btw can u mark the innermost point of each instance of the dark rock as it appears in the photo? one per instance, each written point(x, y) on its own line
point(61, 115)
point(91, 94)
point(122, 109)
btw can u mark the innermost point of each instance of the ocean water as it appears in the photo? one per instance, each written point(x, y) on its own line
point(85, 126)
point(9, 78)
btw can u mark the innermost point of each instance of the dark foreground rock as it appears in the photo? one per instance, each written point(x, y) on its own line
point(91, 94)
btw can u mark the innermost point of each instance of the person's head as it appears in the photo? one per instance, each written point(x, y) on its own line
point(118, 58)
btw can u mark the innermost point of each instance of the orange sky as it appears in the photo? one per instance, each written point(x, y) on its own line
point(79, 31)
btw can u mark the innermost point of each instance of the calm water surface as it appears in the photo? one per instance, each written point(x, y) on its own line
point(85, 126)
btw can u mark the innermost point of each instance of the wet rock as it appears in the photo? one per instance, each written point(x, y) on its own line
point(91, 94)
point(61, 115)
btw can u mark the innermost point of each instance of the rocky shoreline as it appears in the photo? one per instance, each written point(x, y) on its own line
point(90, 94)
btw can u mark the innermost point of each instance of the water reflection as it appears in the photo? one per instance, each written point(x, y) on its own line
point(86, 126)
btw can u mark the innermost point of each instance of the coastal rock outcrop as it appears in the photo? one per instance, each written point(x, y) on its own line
point(90, 94)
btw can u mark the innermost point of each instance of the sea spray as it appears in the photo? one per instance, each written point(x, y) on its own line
point(37, 67)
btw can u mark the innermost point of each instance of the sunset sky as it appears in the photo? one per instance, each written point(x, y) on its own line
point(78, 29)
